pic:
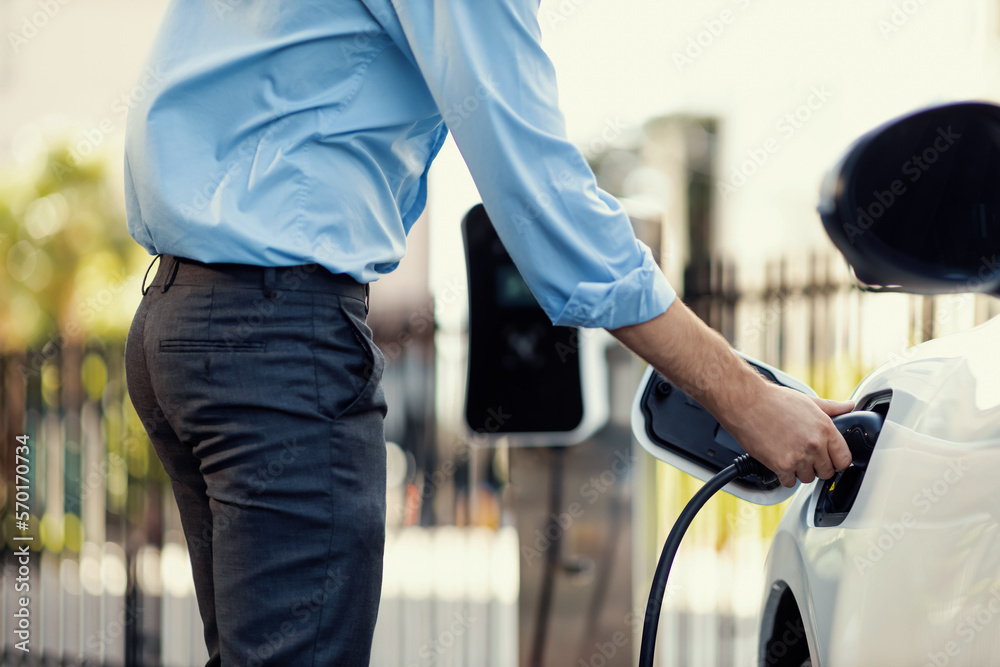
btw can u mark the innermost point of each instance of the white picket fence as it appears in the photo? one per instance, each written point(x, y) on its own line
point(449, 599)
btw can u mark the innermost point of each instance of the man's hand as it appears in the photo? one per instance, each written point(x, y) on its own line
point(792, 434)
point(787, 431)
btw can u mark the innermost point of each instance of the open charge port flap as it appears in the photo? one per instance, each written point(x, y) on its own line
point(679, 424)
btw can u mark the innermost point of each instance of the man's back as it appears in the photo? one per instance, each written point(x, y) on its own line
point(280, 133)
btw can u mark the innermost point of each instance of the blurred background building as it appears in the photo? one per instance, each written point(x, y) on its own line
point(713, 121)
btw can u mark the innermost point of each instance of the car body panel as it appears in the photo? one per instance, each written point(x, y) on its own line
point(912, 576)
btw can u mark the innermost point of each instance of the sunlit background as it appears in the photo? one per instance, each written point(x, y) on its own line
point(714, 121)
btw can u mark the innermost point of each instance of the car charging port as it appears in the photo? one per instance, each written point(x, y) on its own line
point(861, 430)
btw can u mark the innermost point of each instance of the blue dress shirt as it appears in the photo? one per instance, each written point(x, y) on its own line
point(283, 132)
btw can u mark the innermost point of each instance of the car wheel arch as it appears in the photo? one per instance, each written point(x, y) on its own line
point(784, 638)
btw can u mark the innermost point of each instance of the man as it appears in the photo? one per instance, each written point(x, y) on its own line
point(278, 167)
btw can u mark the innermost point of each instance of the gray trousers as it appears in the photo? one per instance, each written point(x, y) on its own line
point(260, 391)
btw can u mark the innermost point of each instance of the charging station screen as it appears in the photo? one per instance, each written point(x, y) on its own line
point(524, 373)
point(512, 291)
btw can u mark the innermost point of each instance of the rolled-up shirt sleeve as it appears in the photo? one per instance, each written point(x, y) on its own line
point(496, 90)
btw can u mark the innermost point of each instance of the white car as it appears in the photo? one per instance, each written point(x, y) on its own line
point(899, 563)
point(895, 561)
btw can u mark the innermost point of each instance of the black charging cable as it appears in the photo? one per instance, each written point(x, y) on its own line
point(860, 430)
point(743, 466)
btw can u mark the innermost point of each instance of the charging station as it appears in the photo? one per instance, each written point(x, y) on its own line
point(530, 382)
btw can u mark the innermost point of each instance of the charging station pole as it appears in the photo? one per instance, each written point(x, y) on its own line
point(529, 384)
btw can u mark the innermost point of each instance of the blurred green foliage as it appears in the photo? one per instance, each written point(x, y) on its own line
point(69, 264)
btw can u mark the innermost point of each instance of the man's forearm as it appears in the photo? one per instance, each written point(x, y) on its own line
point(685, 350)
point(784, 429)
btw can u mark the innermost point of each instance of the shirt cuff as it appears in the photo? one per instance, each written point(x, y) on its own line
point(638, 296)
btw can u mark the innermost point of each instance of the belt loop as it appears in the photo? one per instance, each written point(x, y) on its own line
point(173, 273)
point(143, 287)
point(269, 281)
point(367, 290)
